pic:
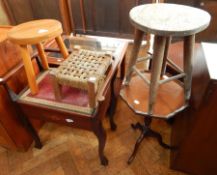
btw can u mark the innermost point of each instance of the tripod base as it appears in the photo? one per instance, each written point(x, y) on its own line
point(146, 131)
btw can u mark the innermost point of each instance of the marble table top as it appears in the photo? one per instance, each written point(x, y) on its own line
point(169, 19)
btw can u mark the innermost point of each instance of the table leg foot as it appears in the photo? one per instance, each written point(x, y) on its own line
point(33, 132)
point(38, 145)
point(159, 138)
point(138, 142)
point(104, 161)
point(101, 135)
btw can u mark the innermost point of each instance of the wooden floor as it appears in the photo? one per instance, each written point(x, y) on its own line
point(69, 151)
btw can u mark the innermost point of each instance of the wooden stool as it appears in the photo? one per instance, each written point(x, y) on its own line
point(35, 32)
point(164, 21)
point(83, 69)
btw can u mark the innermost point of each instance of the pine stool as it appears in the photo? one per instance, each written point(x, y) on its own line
point(157, 95)
point(35, 32)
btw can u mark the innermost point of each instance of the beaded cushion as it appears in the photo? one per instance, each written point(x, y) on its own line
point(81, 66)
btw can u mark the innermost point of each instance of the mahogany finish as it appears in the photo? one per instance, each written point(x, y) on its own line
point(93, 121)
point(194, 130)
point(12, 133)
point(136, 97)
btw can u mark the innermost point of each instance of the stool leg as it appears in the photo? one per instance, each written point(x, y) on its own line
point(62, 47)
point(189, 42)
point(147, 48)
point(29, 69)
point(134, 54)
point(56, 87)
point(91, 93)
point(168, 41)
point(159, 46)
point(42, 56)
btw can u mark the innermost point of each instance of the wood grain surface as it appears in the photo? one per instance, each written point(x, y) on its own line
point(35, 31)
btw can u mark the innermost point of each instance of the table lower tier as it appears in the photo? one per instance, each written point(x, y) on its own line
point(169, 100)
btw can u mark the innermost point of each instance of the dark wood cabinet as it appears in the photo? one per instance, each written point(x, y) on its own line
point(13, 135)
point(189, 2)
point(210, 34)
point(194, 130)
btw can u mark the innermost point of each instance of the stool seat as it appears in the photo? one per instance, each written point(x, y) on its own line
point(81, 66)
point(165, 19)
point(83, 69)
point(35, 31)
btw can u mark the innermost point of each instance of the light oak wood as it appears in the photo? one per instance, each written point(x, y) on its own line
point(42, 56)
point(29, 69)
point(62, 47)
point(35, 31)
